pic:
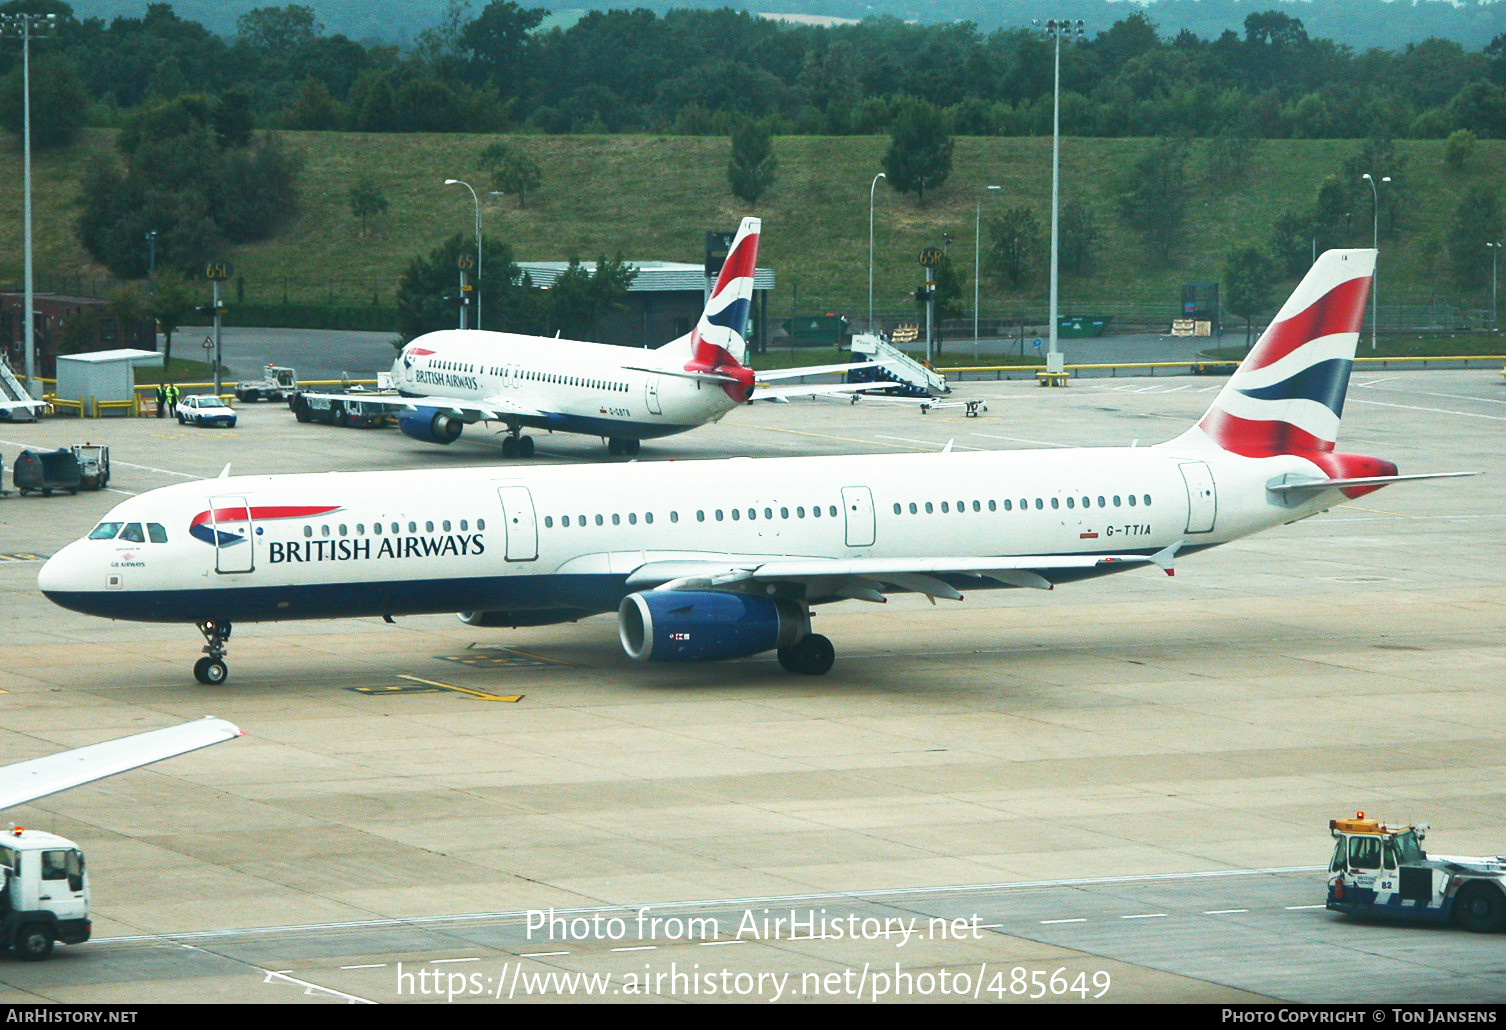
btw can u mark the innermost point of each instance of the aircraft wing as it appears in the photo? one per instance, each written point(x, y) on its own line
point(39, 777)
point(869, 578)
point(491, 409)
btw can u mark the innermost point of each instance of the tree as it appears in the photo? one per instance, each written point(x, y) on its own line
point(751, 170)
point(367, 201)
point(1078, 232)
point(1154, 197)
point(1457, 149)
point(495, 43)
point(513, 172)
point(428, 293)
point(1477, 222)
point(1014, 245)
point(579, 299)
point(1249, 276)
point(130, 307)
point(278, 29)
point(920, 150)
point(183, 181)
point(171, 301)
point(59, 103)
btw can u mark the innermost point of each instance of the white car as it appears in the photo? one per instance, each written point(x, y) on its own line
point(205, 409)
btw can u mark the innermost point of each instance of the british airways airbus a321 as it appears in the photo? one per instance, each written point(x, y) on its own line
point(705, 560)
point(456, 377)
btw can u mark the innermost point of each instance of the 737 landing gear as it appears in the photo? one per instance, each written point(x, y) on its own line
point(517, 445)
point(211, 668)
point(813, 656)
point(622, 445)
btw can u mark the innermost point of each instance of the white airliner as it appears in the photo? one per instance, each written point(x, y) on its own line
point(725, 558)
point(457, 377)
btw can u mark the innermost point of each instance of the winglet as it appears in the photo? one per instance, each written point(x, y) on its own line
point(1166, 556)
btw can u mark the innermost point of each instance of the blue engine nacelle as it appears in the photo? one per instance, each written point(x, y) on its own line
point(699, 626)
point(430, 426)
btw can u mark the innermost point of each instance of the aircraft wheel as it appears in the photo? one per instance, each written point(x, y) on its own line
point(211, 671)
point(614, 446)
point(813, 656)
point(1481, 908)
point(509, 447)
point(525, 446)
point(630, 446)
point(33, 944)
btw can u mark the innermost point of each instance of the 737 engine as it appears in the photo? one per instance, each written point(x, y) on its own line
point(430, 426)
point(698, 626)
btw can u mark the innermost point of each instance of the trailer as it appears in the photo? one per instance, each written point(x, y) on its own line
point(353, 409)
point(1381, 871)
point(46, 471)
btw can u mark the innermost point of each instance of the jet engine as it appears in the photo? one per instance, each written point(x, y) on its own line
point(430, 426)
point(696, 626)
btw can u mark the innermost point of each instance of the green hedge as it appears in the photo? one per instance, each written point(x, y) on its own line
point(312, 316)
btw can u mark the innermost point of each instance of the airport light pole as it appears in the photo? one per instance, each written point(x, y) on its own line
point(25, 25)
point(1057, 28)
point(1375, 242)
point(872, 186)
point(1495, 318)
point(477, 202)
point(978, 263)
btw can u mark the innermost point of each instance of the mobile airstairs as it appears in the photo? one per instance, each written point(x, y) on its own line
point(910, 377)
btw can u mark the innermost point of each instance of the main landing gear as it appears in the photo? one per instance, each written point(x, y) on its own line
point(813, 656)
point(211, 668)
point(516, 445)
point(622, 445)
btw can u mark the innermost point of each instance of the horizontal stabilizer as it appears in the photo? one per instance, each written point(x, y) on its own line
point(1292, 484)
point(768, 375)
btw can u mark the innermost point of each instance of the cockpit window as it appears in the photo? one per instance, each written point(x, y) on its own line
point(156, 533)
point(105, 531)
point(133, 533)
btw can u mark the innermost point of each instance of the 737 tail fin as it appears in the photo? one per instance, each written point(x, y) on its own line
point(1287, 396)
point(717, 344)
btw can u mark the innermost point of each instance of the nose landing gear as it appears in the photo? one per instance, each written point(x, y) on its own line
point(211, 668)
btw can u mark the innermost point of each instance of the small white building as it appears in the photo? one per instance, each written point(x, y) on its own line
point(102, 377)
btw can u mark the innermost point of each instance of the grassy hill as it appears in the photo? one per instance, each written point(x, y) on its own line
point(652, 197)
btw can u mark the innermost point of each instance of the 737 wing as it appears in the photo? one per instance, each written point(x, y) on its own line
point(39, 777)
point(491, 409)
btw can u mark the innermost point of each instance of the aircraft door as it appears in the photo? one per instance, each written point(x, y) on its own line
point(1202, 501)
point(653, 396)
point(857, 506)
point(521, 525)
point(234, 535)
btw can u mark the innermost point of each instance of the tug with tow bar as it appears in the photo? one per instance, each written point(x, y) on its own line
point(1381, 871)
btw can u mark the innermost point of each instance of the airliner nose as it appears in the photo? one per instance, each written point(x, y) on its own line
point(61, 574)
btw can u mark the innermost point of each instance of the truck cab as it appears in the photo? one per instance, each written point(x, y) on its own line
point(44, 893)
point(1382, 871)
